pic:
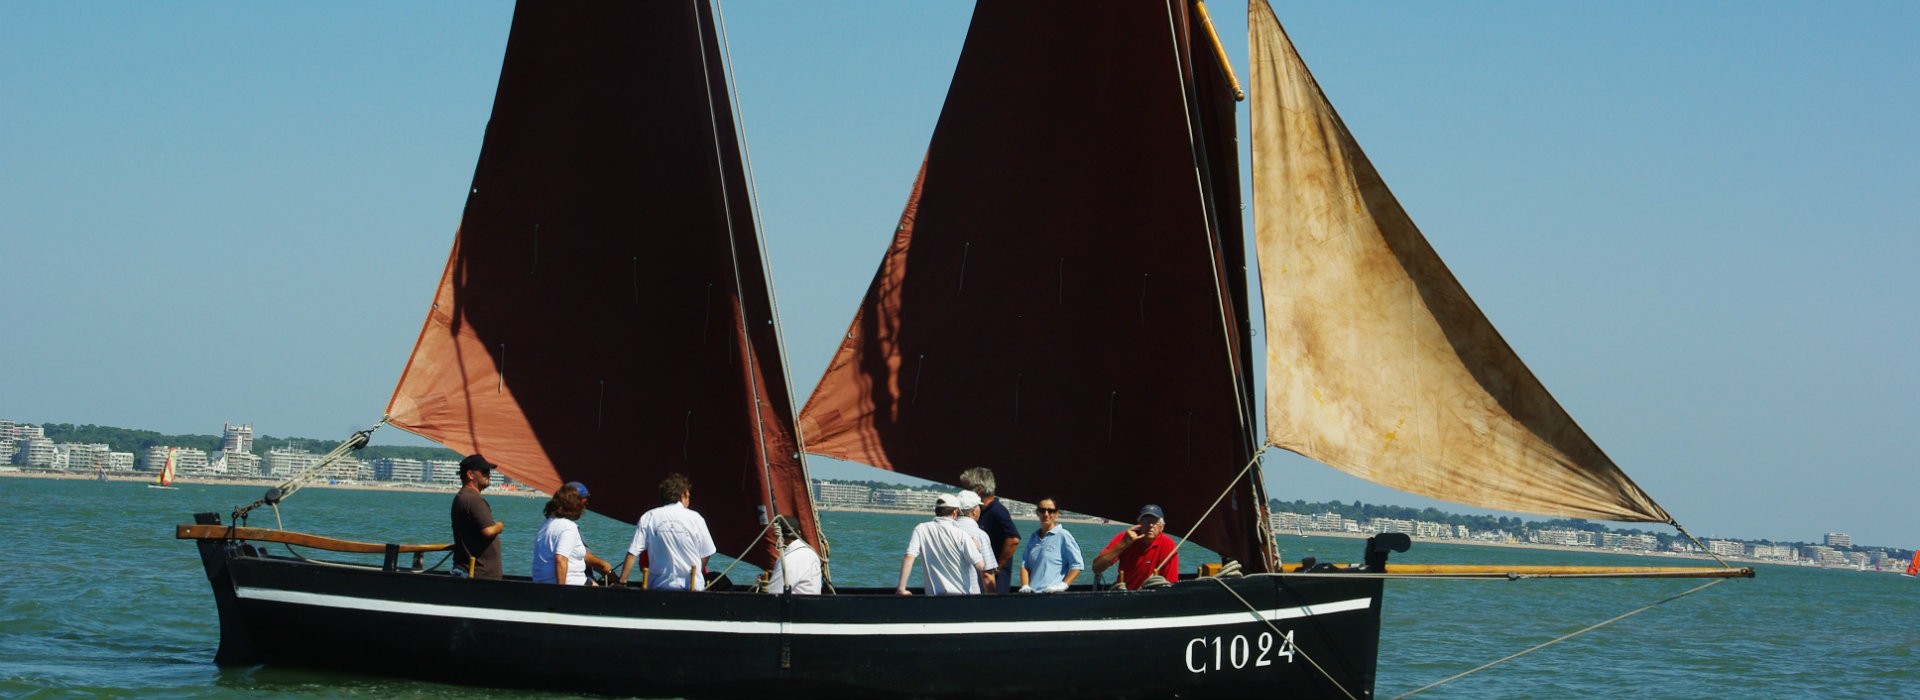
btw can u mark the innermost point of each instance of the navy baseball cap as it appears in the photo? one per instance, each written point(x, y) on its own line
point(1152, 510)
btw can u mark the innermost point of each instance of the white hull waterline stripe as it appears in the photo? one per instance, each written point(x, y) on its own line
point(325, 600)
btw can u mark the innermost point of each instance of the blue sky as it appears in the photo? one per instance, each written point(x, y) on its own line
point(1693, 221)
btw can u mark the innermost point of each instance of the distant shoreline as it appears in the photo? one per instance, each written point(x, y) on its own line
point(148, 478)
point(530, 493)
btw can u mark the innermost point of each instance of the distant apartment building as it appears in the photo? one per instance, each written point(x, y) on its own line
point(242, 464)
point(1422, 528)
point(443, 471)
point(348, 468)
point(1330, 522)
point(1391, 525)
point(1727, 548)
point(1024, 510)
point(903, 498)
point(831, 493)
point(284, 462)
point(187, 461)
point(1289, 522)
point(237, 438)
point(398, 469)
point(79, 457)
point(1782, 552)
point(1837, 539)
point(34, 452)
point(29, 432)
point(1462, 532)
point(1563, 538)
point(9, 439)
point(119, 461)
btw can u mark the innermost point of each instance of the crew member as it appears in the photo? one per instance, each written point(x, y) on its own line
point(476, 535)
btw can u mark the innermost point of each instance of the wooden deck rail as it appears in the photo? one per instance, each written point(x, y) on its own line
point(260, 534)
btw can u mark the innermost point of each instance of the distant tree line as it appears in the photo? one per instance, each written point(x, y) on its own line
point(137, 442)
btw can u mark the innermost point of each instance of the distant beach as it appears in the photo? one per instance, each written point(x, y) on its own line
point(530, 493)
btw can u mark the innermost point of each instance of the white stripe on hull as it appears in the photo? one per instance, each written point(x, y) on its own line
point(325, 600)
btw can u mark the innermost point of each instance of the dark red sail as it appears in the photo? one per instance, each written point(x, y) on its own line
point(1065, 298)
point(605, 314)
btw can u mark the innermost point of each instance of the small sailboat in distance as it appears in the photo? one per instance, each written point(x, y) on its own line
point(165, 480)
point(1913, 569)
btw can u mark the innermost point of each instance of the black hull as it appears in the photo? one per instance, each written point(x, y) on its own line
point(1195, 639)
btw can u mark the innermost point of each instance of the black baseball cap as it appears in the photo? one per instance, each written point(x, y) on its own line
point(475, 463)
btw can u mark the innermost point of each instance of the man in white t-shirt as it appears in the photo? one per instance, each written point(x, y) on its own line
point(952, 556)
point(798, 569)
point(969, 520)
point(675, 540)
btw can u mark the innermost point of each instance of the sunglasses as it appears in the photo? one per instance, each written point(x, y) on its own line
point(1046, 510)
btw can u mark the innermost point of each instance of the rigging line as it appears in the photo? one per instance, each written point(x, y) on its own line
point(1716, 557)
point(1276, 631)
point(766, 269)
point(299, 479)
point(756, 543)
point(1208, 215)
point(739, 293)
point(1216, 503)
point(1561, 638)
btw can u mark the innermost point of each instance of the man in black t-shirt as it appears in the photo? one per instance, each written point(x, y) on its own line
point(476, 535)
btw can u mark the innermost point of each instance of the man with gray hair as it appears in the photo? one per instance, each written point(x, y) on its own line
point(995, 520)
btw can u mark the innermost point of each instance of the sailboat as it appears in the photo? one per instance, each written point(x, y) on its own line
point(1913, 569)
point(1063, 301)
point(165, 479)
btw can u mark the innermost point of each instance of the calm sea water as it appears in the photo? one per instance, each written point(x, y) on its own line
point(98, 600)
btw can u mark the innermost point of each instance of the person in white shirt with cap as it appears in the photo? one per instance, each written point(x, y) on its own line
point(969, 520)
point(951, 556)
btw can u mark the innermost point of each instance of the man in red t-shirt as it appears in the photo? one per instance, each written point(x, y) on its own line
point(1139, 548)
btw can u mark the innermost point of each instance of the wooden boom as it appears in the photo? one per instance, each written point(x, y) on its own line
point(1551, 571)
point(259, 534)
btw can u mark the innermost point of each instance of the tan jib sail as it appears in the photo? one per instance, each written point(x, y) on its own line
point(1064, 300)
point(1378, 363)
point(605, 315)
